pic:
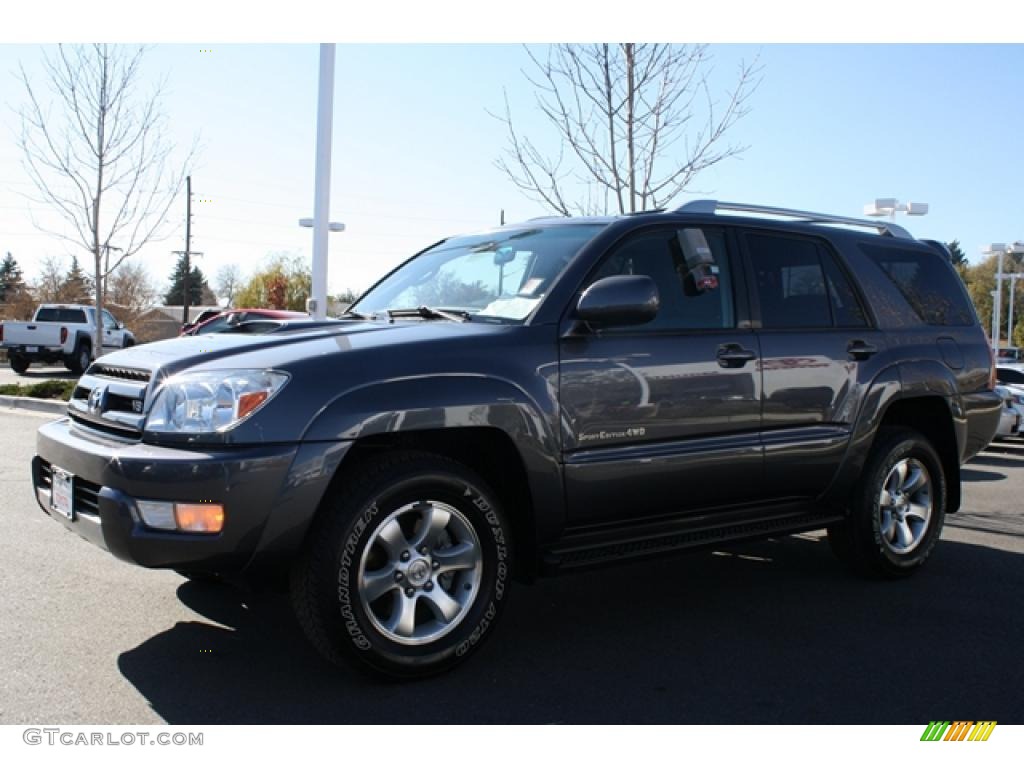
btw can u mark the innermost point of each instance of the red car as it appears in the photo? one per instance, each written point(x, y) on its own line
point(233, 317)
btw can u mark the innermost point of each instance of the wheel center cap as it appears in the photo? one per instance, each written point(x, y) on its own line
point(418, 572)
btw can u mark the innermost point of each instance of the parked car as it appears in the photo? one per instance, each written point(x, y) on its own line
point(1011, 380)
point(538, 399)
point(1008, 355)
point(1011, 420)
point(232, 317)
point(62, 333)
point(202, 317)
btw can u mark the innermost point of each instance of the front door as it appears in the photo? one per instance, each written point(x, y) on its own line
point(113, 337)
point(663, 418)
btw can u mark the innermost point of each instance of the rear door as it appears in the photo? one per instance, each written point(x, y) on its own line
point(663, 418)
point(819, 350)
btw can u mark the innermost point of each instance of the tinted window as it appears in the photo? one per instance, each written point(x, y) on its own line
point(214, 326)
point(790, 282)
point(683, 306)
point(846, 307)
point(60, 315)
point(109, 321)
point(927, 282)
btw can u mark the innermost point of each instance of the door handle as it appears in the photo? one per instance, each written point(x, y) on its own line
point(860, 350)
point(734, 356)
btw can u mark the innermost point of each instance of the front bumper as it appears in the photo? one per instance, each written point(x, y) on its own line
point(269, 492)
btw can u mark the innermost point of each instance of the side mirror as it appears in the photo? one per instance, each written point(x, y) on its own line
point(619, 300)
point(120, 325)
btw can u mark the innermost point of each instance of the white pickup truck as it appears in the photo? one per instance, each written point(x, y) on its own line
point(62, 333)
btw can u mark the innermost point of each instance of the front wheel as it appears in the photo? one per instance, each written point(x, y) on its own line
point(407, 568)
point(898, 508)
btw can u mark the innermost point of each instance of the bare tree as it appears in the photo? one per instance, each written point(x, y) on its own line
point(635, 124)
point(49, 286)
point(229, 282)
point(132, 291)
point(101, 159)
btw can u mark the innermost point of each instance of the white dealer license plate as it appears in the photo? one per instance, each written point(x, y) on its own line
point(31, 349)
point(61, 495)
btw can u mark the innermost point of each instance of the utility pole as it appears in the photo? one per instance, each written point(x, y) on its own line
point(188, 248)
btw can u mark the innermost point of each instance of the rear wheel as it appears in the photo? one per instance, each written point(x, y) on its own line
point(406, 569)
point(79, 359)
point(18, 363)
point(898, 508)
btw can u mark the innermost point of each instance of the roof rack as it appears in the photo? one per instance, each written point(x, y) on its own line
point(714, 206)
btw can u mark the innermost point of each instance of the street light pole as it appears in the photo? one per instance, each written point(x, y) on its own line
point(322, 185)
point(999, 250)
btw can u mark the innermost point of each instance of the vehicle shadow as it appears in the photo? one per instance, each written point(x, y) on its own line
point(50, 373)
point(773, 632)
point(971, 475)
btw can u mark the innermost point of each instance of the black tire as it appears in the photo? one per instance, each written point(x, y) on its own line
point(869, 540)
point(404, 488)
point(80, 358)
point(128, 343)
point(18, 363)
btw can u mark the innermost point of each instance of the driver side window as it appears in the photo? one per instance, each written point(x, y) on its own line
point(686, 302)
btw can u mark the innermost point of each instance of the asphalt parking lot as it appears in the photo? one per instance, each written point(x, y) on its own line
point(775, 632)
point(34, 374)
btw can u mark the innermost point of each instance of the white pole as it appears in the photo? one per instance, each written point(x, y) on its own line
point(1009, 320)
point(322, 189)
point(997, 305)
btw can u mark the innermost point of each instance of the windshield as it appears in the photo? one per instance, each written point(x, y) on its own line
point(501, 275)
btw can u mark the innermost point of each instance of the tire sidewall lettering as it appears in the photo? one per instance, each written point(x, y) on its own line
point(486, 521)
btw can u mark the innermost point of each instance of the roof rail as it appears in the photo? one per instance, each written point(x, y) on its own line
point(714, 206)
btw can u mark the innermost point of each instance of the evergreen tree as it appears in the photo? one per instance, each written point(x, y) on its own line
point(197, 286)
point(77, 288)
point(11, 282)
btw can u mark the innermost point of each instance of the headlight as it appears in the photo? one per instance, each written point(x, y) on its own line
point(213, 401)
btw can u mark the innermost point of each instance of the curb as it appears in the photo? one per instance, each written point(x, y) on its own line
point(37, 404)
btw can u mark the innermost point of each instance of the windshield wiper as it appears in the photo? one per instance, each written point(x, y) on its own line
point(429, 313)
point(356, 315)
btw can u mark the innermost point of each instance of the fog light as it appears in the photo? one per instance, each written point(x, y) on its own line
point(157, 514)
point(199, 518)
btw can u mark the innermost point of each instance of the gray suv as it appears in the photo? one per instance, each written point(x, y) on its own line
point(543, 397)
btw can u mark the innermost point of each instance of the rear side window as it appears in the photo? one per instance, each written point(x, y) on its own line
point(790, 282)
point(930, 286)
point(60, 315)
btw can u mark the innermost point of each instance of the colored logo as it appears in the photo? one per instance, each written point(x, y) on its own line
point(959, 730)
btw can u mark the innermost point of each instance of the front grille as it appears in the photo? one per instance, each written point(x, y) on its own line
point(119, 372)
point(86, 494)
point(87, 497)
point(120, 400)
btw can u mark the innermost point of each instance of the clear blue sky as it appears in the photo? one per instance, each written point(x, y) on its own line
point(831, 128)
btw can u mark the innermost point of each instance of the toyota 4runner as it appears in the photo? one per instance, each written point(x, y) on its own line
point(539, 398)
